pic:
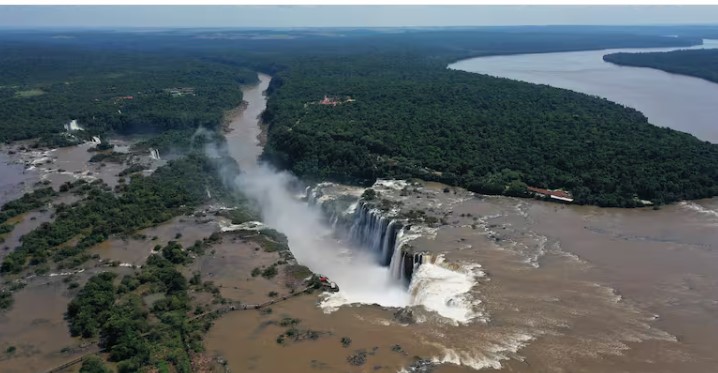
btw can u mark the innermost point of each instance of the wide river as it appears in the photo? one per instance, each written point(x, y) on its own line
point(680, 102)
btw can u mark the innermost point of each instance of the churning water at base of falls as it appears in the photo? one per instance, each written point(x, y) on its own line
point(446, 291)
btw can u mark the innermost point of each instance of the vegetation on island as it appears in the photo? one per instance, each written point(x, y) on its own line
point(94, 364)
point(142, 336)
point(110, 91)
point(701, 63)
point(29, 201)
point(171, 190)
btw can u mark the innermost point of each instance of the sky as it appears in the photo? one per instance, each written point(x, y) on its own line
point(347, 16)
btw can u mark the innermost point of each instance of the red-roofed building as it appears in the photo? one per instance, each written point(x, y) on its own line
point(328, 101)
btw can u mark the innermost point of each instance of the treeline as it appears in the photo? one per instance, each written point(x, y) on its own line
point(146, 201)
point(412, 117)
point(701, 63)
point(43, 87)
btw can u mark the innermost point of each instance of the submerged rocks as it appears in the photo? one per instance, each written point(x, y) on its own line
point(421, 366)
point(358, 358)
point(405, 316)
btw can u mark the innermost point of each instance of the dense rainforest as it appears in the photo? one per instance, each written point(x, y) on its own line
point(405, 115)
point(43, 87)
point(394, 110)
point(701, 63)
point(408, 115)
point(418, 119)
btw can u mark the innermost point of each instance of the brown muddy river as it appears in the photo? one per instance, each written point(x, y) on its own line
point(14, 179)
point(561, 289)
point(243, 138)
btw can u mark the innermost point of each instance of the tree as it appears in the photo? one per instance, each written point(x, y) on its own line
point(94, 364)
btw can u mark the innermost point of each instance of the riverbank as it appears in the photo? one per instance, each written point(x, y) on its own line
point(679, 102)
point(697, 63)
point(230, 115)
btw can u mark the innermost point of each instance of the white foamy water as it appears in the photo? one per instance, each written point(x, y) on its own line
point(700, 209)
point(446, 289)
point(154, 154)
point(488, 357)
point(73, 126)
point(225, 226)
point(439, 287)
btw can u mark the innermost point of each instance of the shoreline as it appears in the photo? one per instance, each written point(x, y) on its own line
point(658, 102)
point(231, 114)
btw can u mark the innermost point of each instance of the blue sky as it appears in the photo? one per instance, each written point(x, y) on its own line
point(346, 16)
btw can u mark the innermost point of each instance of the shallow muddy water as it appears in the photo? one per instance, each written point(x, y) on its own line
point(14, 180)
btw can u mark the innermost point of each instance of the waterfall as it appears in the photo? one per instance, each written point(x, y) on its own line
point(384, 237)
point(73, 126)
point(155, 154)
point(375, 232)
point(395, 265)
point(370, 229)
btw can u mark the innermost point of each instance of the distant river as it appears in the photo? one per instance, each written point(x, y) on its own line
point(669, 100)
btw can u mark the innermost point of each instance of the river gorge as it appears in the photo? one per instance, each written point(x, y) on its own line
point(467, 282)
point(432, 278)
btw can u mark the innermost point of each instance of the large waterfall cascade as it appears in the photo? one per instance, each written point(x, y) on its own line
point(384, 229)
point(155, 154)
point(382, 233)
point(73, 126)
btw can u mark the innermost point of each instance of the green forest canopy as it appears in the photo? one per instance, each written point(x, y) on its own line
point(44, 87)
point(701, 63)
point(408, 116)
point(411, 117)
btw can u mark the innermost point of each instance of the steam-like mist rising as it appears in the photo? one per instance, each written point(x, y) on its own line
point(360, 278)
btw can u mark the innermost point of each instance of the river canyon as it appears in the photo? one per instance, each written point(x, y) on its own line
point(432, 277)
point(490, 282)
